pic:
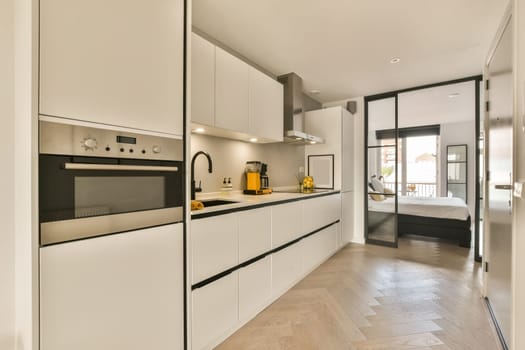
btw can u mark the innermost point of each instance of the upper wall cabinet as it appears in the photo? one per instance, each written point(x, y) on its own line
point(233, 99)
point(232, 83)
point(266, 106)
point(202, 81)
point(114, 62)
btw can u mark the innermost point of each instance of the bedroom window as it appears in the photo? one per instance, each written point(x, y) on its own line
point(418, 159)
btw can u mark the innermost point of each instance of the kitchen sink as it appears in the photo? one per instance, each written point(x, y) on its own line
point(214, 202)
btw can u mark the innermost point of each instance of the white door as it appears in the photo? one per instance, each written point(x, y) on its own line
point(118, 292)
point(499, 162)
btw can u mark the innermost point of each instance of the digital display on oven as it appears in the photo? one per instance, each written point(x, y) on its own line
point(127, 139)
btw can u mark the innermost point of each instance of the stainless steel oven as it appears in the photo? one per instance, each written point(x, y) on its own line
point(95, 182)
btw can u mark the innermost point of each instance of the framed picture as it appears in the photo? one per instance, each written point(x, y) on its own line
point(321, 168)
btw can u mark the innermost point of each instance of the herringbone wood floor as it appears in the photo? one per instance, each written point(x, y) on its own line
point(424, 295)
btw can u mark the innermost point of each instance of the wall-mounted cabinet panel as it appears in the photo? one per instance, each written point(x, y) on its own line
point(266, 106)
point(232, 83)
point(215, 311)
point(215, 245)
point(255, 290)
point(255, 233)
point(202, 81)
point(113, 62)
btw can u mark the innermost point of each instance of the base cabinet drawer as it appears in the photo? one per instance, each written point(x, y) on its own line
point(287, 222)
point(255, 291)
point(215, 245)
point(255, 233)
point(215, 311)
point(322, 211)
point(287, 267)
point(319, 247)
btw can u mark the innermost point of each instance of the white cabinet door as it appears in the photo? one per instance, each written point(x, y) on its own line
point(214, 243)
point(321, 211)
point(347, 159)
point(255, 290)
point(115, 62)
point(347, 217)
point(287, 222)
point(202, 81)
point(266, 106)
point(255, 233)
point(231, 92)
point(317, 248)
point(118, 292)
point(287, 268)
point(215, 311)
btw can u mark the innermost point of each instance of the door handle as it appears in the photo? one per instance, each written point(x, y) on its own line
point(503, 187)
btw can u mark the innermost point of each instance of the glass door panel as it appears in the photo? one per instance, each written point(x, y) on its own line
point(381, 172)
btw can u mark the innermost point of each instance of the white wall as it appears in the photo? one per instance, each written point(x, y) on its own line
point(229, 159)
point(7, 234)
point(518, 324)
point(456, 134)
point(357, 235)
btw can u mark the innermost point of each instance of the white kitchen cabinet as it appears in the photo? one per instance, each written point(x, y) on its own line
point(113, 62)
point(215, 311)
point(319, 247)
point(287, 222)
point(347, 217)
point(336, 126)
point(118, 292)
point(266, 106)
point(231, 92)
point(255, 290)
point(287, 268)
point(202, 81)
point(321, 211)
point(255, 233)
point(215, 245)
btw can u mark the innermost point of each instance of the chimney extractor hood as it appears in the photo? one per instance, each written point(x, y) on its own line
point(294, 112)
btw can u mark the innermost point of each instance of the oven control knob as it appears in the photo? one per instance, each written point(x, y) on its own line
point(89, 144)
point(156, 149)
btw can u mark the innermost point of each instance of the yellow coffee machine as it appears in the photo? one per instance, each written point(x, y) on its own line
point(253, 179)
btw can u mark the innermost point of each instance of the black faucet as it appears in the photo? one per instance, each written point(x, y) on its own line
point(210, 167)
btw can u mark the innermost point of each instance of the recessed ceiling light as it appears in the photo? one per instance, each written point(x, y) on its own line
point(395, 60)
point(313, 142)
point(298, 138)
point(253, 139)
point(454, 95)
point(315, 92)
point(199, 130)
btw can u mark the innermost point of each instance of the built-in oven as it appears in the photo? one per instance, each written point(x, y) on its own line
point(95, 182)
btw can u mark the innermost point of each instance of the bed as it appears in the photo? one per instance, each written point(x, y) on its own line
point(440, 217)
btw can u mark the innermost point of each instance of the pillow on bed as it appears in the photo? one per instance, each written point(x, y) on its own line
point(378, 185)
point(375, 195)
point(388, 192)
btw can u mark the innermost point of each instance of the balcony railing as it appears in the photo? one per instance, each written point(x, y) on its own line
point(416, 189)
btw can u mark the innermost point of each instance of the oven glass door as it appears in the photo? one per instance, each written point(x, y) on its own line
point(137, 193)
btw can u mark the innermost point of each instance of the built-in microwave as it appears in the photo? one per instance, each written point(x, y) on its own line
point(95, 182)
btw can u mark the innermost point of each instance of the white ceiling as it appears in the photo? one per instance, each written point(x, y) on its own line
point(343, 47)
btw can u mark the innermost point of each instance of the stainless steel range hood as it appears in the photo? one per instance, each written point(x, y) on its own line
point(294, 111)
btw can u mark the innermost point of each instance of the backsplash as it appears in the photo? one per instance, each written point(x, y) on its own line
point(229, 158)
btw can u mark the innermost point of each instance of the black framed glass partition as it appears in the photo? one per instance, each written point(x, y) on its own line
point(381, 171)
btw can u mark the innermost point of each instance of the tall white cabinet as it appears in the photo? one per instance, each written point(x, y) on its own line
point(113, 62)
point(336, 126)
point(122, 291)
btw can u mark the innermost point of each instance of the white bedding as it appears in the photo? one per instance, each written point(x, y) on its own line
point(439, 207)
